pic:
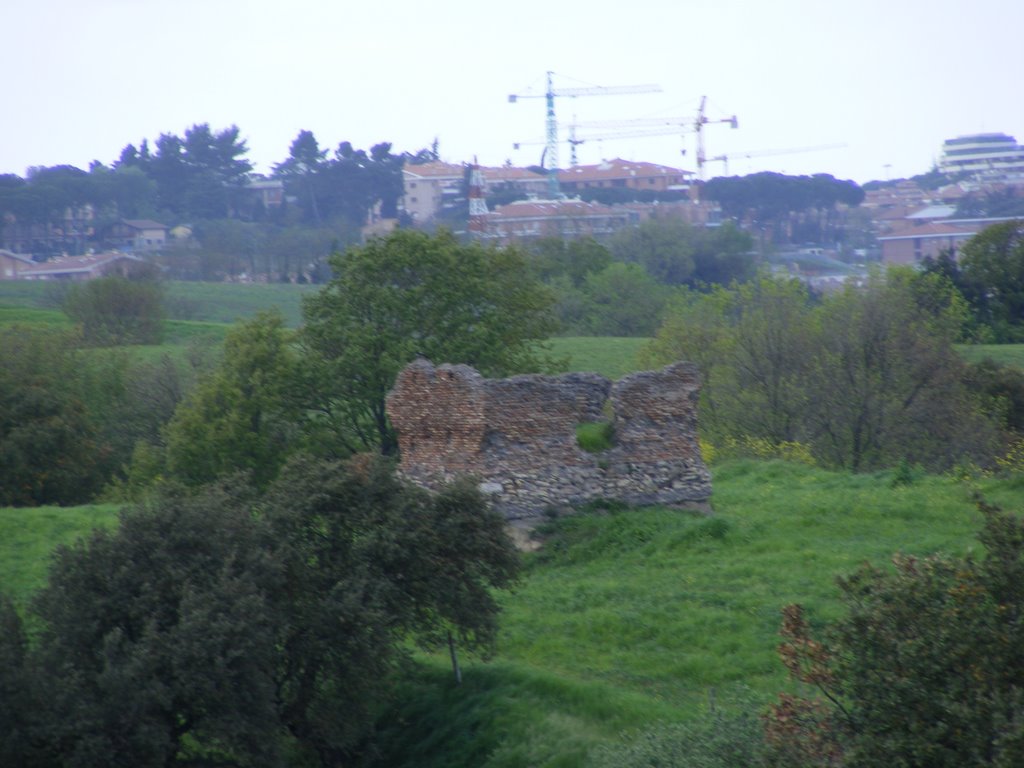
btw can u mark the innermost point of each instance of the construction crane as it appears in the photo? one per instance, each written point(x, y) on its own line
point(551, 123)
point(724, 159)
point(698, 127)
point(652, 126)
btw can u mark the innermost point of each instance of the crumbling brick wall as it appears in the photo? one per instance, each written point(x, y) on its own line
point(518, 435)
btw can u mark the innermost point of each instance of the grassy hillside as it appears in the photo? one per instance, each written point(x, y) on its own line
point(610, 356)
point(29, 535)
point(1007, 354)
point(210, 302)
point(630, 617)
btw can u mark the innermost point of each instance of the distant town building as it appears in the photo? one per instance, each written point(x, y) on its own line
point(533, 219)
point(983, 155)
point(508, 178)
point(430, 187)
point(79, 268)
point(914, 243)
point(137, 235)
point(623, 174)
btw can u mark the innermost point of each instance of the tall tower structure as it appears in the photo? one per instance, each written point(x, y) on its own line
point(477, 204)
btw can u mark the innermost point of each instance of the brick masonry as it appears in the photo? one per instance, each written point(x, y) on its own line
point(518, 436)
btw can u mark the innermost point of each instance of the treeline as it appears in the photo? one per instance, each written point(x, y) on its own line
point(622, 288)
point(202, 179)
point(77, 416)
point(864, 379)
point(790, 209)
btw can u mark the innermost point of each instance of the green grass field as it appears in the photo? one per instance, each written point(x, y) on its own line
point(210, 302)
point(1006, 354)
point(29, 535)
point(628, 618)
point(610, 356)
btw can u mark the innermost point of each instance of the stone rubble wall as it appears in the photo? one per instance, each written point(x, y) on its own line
point(517, 436)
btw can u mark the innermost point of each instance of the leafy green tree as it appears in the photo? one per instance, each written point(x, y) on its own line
point(677, 253)
point(574, 259)
point(196, 174)
point(411, 294)
point(158, 646)
point(369, 563)
point(662, 246)
point(224, 628)
point(242, 417)
point(300, 170)
point(49, 447)
point(793, 208)
point(886, 381)
point(992, 264)
point(117, 310)
point(622, 300)
point(16, 690)
point(923, 670)
point(865, 379)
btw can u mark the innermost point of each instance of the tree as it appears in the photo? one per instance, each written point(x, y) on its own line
point(794, 208)
point(992, 264)
point(412, 294)
point(368, 564)
point(622, 300)
point(924, 669)
point(886, 381)
point(49, 448)
point(575, 259)
point(662, 246)
point(158, 645)
point(222, 627)
point(196, 174)
point(243, 416)
point(305, 161)
point(676, 253)
point(865, 379)
point(16, 703)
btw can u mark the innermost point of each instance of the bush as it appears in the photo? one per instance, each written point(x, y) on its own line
point(114, 310)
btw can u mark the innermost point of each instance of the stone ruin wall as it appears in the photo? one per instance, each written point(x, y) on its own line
point(518, 436)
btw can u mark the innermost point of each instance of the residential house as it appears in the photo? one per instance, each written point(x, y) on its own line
point(137, 235)
point(430, 188)
point(508, 178)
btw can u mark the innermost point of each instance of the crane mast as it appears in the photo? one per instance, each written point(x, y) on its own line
point(551, 122)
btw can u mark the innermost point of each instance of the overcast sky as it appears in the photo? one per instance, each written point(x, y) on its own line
point(888, 80)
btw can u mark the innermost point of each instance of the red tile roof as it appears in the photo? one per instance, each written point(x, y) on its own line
point(933, 229)
point(434, 170)
point(618, 169)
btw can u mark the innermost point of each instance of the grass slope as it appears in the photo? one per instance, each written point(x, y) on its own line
point(29, 535)
point(611, 356)
point(1006, 354)
point(637, 616)
point(630, 617)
